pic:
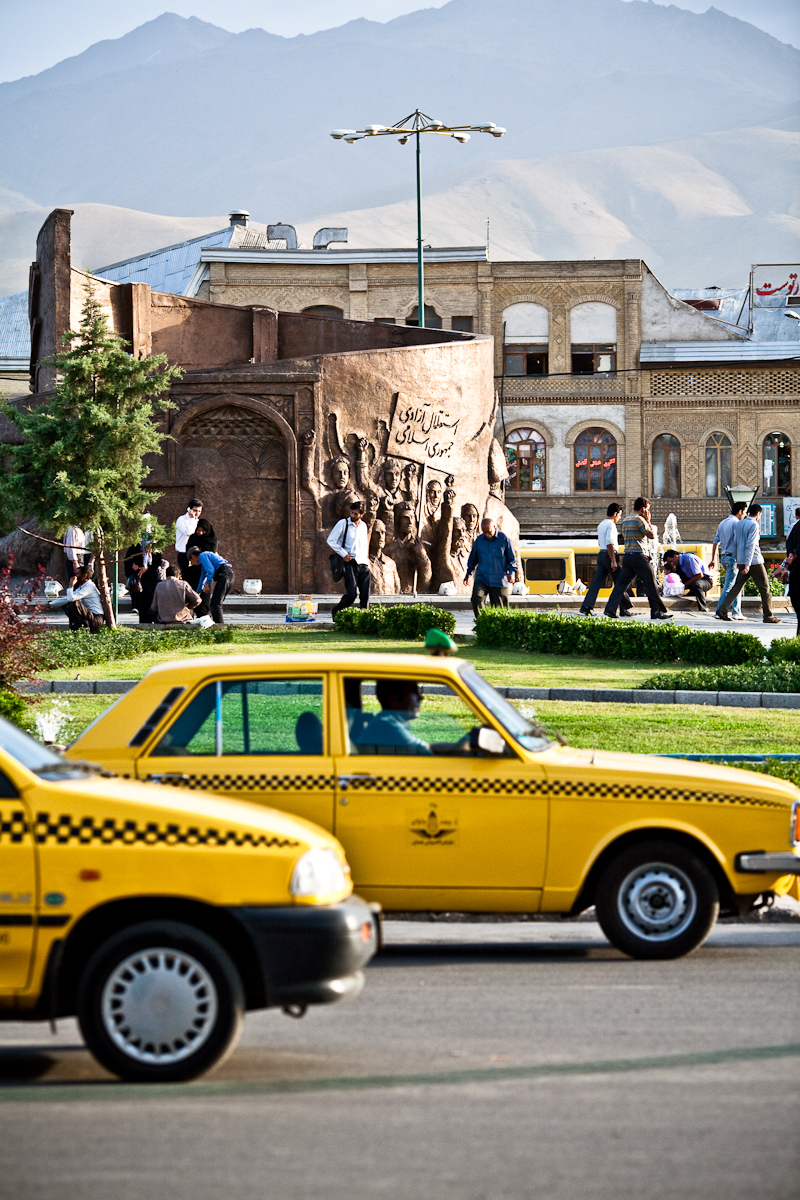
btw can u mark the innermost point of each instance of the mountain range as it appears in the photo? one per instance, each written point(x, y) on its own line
point(633, 128)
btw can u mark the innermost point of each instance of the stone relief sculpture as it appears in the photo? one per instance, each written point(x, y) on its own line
point(385, 579)
point(408, 552)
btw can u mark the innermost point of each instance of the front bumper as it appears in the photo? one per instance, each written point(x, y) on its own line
point(759, 863)
point(310, 955)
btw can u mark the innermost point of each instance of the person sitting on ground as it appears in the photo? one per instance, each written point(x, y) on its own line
point(387, 732)
point(173, 599)
point(83, 605)
point(694, 573)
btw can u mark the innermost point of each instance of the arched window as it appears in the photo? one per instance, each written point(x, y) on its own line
point(525, 460)
point(526, 332)
point(777, 459)
point(432, 318)
point(666, 466)
point(595, 461)
point(718, 464)
point(325, 310)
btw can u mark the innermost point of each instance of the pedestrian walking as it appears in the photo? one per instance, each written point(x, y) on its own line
point(694, 573)
point(184, 528)
point(607, 562)
point(82, 602)
point(494, 562)
point(173, 599)
point(750, 564)
point(349, 539)
point(214, 570)
point(725, 538)
point(637, 531)
point(793, 559)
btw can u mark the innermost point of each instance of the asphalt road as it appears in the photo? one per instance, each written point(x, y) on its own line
point(482, 1062)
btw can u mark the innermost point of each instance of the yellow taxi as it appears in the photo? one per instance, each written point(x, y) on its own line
point(445, 797)
point(159, 917)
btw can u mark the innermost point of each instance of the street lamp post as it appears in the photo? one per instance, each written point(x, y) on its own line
point(740, 492)
point(414, 126)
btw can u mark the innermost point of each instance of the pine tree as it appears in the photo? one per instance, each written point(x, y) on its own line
point(81, 460)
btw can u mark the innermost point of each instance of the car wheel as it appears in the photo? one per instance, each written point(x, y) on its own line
point(160, 1001)
point(657, 900)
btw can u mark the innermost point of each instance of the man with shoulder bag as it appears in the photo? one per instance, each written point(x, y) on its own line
point(349, 542)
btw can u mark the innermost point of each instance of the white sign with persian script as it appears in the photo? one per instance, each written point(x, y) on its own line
point(422, 431)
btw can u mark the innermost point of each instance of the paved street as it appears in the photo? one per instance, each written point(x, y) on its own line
point(482, 1061)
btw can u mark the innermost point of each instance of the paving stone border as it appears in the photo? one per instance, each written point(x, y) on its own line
point(115, 687)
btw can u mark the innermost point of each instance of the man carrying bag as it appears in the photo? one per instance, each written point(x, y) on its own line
point(349, 542)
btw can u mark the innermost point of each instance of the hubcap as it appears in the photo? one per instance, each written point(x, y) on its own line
point(657, 901)
point(159, 1005)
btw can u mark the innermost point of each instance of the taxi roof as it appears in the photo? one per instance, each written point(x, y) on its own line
point(310, 660)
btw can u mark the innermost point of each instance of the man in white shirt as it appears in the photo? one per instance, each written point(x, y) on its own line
point(82, 602)
point(350, 540)
point(725, 538)
point(184, 528)
point(607, 562)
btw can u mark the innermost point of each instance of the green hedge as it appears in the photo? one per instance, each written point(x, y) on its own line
point(404, 621)
point(784, 650)
point(12, 706)
point(554, 633)
point(751, 677)
point(83, 649)
point(783, 770)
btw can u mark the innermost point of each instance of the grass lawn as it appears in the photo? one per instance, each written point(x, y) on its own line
point(644, 729)
point(500, 667)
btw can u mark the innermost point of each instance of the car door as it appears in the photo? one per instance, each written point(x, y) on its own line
point(446, 828)
point(17, 888)
point(252, 738)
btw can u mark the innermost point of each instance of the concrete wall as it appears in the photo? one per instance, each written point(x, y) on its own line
point(665, 319)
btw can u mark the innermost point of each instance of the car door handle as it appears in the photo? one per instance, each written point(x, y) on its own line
point(169, 778)
point(345, 780)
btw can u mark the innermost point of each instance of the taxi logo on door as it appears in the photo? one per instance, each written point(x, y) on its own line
point(433, 828)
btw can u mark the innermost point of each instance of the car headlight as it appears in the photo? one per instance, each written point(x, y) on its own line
point(318, 872)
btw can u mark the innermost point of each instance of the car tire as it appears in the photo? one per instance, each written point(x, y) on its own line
point(657, 900)
point(160, 1002)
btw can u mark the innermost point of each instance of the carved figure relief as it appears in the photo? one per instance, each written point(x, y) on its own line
point(408, 552)
point(385, 579)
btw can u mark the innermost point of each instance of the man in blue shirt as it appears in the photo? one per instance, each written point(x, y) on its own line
point(493, 560)
point(213, 569)
point(693, 572)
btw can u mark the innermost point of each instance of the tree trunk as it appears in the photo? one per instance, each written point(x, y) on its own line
point(102, 572)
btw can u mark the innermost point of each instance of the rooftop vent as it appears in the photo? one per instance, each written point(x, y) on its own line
point(239, 216)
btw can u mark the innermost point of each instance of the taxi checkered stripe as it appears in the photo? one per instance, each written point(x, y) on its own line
point(13, 827)
point(86, 831)
point(255, 783)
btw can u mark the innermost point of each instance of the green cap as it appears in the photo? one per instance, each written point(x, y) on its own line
point(439, 642)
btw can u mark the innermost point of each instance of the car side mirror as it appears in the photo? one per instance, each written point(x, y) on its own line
point(488, 740)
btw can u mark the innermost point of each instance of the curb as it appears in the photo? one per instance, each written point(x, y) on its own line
point(116, 687)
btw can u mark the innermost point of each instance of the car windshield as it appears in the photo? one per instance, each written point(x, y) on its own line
point(37, 758)
point(512, 721)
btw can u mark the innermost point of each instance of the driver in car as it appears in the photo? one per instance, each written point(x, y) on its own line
point(388, 730)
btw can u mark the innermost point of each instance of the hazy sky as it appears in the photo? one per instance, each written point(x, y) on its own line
point(35, 34)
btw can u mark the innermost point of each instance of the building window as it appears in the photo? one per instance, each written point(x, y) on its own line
point(525, 460)
point(777, 459)
point(384, 320)
point(432, 318)
point(594, 358)
point(325, 310)
point(718, 464)
point(462, 324)
point(595, 461)
point(529, 359)
point(666, 466)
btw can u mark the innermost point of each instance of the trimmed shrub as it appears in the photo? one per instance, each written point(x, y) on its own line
point(12, 706)
point(750, 677)
point(403, 621)
point(784, 650)
point(559, 633)
point(84, 649)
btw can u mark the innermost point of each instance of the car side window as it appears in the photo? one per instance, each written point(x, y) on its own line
point(405, 717)
point(246, 717)
point(7, 789)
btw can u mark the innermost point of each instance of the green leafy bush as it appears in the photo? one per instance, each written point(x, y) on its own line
point(12, 706)
point(83, 649)
point(784, 650)
point(404, 621)
point(558, 633)
point(776, 587)
point(750, 677)
point(783, 770)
